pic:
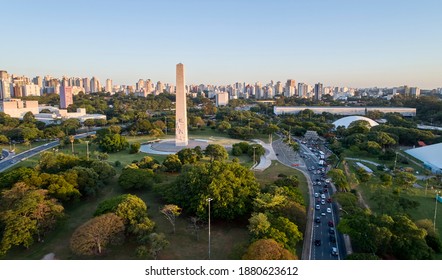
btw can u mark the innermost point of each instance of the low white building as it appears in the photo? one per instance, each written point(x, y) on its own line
point(430, 155)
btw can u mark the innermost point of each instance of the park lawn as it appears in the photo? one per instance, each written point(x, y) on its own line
point(269, 175)
point(426, 201)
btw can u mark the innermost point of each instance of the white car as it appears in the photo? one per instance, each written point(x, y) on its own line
point(316, 194)
point(318, 207)
point(323, 202)
point(328, 210)
point(323, 196)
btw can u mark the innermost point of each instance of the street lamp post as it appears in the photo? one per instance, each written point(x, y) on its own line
point(209, 200)
point(395, 160)
point(87, 150)
point(435, 209)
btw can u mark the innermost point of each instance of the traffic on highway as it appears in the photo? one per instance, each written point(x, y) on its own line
point(326, 243)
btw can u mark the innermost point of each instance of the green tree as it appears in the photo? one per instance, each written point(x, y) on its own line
point(88, 180)
point(231, 186)
point(136, 179)
point(187, 156)
point(216, 152)
point(134, 148)
point(29, 117)
point(4, 139)
point(104, 170)
point(172, 163)
point(157, 243)
point(94, 236)
point(404, 180)
point(339, 179)
point(26, 213)
point(259, 225)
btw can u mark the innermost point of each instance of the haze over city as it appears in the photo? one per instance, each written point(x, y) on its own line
point(342, 43)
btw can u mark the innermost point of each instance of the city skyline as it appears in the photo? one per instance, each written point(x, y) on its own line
point(342, 43)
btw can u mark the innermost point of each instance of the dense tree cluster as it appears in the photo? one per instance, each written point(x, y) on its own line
point(231, 186)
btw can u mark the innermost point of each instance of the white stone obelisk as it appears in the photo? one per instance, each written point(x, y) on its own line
point(181, 139)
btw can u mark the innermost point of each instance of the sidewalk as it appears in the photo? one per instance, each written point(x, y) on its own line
point(266, 159)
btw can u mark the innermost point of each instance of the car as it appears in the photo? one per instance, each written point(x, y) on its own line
point(328, 209)
point(322, 201)
point(332, 239)
point(277, 154)
point(323, 214)
point(322, 196)
point(331, 230)
point(334, 251)
point(321, 192)
point(314, 183)
point(329, 200)
point(316, 194)
point(318, 220)
point(317, 242)
point(318, 207)
point(330, 223)
point(319, 183)
point(325, 190)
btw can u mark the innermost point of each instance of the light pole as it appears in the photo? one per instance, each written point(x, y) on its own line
point(87, 150)
point(395, 160)
point(254, 160)
point(209, 200)
point(435, 209)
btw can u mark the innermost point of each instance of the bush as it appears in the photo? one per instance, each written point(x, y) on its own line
point(117, 163)
point(134, 148)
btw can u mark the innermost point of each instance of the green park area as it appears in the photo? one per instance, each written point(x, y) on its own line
point(229, 238)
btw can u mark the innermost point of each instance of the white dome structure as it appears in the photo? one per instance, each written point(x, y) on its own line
point(345, 122)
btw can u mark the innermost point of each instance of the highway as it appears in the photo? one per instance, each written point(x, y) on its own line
point(322, 230)
point(12, 160)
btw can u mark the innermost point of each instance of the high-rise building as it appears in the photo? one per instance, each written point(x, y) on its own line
point(181, 139)
point(38, 81)
point(86, 85)
point(302, 90)
point(140, 85)
point(5, 89)
point(4, 75)
point(318, 91)
point(109, 85)
point(65, 95)
point(95, 85)
point(290, 88)
point(415, 91)
point(222, 98)
point(160, 87)
point(279, 88)
point(148, 87)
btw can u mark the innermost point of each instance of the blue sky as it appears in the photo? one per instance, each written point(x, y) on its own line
point(341, 43)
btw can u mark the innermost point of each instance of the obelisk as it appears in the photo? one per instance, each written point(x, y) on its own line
point(181, 139)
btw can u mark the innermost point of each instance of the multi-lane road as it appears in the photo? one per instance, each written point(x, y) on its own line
point(321, 236)
point(12, 160)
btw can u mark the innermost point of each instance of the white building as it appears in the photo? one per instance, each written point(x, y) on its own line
point(404, 111)
point(222, 99)
point(16, 108)
point(430, 155)
point(31, 90)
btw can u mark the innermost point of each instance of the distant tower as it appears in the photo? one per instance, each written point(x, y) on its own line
point(65, 95)
point(181, 139)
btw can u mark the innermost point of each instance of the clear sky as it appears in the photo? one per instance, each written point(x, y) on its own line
point(337, 42)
